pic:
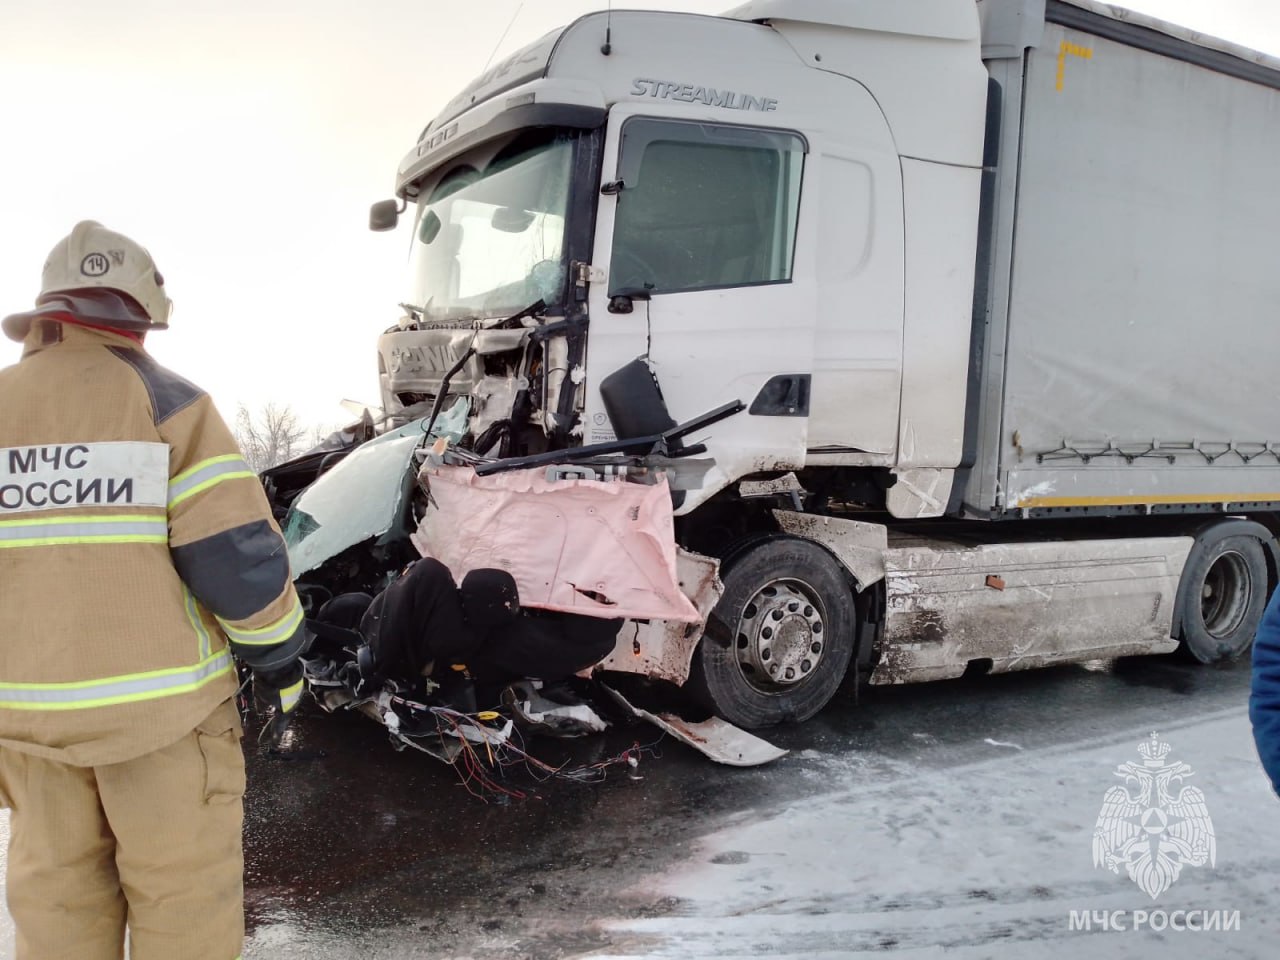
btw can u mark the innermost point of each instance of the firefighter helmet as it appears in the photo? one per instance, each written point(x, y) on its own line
point(101, 277)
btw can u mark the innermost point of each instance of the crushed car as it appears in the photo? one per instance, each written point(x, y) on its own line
point(448, 593)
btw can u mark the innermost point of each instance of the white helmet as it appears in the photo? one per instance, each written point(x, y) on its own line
point(88, 263)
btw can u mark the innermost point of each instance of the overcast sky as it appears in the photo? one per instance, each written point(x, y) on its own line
point(242, 142)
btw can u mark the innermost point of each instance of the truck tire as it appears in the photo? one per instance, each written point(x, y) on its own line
point(779, 642)
point(1222, 593)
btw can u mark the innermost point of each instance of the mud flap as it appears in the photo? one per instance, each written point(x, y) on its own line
point(715, 738)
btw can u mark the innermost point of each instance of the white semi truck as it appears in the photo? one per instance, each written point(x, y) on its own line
point(996, 285)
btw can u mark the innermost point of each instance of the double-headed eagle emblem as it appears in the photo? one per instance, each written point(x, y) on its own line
point(1153, 825)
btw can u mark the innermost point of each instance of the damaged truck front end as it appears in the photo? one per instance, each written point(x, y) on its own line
point(496, 229)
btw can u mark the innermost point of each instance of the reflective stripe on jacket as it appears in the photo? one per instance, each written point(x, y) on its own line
point(137, 553)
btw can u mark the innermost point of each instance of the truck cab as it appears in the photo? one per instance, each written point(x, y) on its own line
point(747, 203)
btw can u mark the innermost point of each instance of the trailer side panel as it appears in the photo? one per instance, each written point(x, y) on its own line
point(1141, 328)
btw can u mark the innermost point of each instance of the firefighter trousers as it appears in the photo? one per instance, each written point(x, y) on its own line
point(152, 844)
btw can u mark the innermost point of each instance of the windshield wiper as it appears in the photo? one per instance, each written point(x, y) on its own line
point(532, 310)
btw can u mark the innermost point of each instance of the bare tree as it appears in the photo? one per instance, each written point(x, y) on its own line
point(320, 433)
point(272, 437)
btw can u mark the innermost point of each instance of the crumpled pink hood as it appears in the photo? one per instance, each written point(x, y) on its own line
point(598, 548)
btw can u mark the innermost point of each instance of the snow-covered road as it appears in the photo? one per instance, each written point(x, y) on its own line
point(986, 859)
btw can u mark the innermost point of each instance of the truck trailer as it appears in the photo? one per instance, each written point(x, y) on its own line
point(991, 287)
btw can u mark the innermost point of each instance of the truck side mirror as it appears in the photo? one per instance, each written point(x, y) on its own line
point(633, 401)
point(384, 214)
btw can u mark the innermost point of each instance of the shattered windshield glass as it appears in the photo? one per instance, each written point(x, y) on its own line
point(361, 497)
point(489, 237)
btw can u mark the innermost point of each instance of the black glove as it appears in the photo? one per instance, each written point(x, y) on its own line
point(278, 691)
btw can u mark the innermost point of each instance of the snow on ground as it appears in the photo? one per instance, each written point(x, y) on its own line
point(973, 842)
point(986, 859)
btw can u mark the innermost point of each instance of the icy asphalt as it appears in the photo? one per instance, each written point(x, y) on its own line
point(952, 819)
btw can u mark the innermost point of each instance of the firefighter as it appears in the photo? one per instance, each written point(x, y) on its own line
point(137, 554)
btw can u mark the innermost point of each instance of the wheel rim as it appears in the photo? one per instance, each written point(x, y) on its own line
point(1225, 595)
point(781, 636)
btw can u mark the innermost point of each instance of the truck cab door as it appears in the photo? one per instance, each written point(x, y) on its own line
point(701, 232)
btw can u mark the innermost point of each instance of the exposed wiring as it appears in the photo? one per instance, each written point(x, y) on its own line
point(484, 773)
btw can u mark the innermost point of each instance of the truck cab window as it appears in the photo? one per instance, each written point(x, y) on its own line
point(704, 206)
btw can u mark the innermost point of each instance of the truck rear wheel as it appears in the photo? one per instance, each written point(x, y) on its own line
point(780, 640)
point(1223, 592)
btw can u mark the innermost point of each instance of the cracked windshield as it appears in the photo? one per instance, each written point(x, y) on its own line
point(490, 237)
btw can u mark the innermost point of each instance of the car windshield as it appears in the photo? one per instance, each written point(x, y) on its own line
point(489, 237)
point(358, 499)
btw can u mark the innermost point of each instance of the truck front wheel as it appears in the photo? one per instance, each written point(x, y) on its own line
point(780, 640)
point(1223, 592)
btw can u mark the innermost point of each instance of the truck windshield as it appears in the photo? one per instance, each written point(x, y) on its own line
point(489, 237)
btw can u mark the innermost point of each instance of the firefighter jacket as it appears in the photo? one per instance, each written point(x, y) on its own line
point(137, 553)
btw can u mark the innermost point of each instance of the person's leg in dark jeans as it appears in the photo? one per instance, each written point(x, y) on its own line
point(417, 620)
point(548, 646)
